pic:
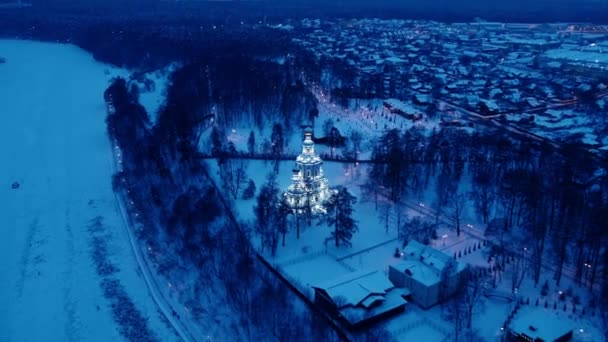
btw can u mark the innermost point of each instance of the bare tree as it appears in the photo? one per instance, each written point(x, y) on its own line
point(467, 297)
point(457, 203)
point(399, 215)
point(519, 260)
point(472, 294)
point(417, 229)
point(484, 202)
point(233, 173)
point(355, 138)
point(385, 213)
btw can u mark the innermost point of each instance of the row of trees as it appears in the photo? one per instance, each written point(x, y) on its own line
point(555, 199)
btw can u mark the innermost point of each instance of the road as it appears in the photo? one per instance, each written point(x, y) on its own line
point(164, 306)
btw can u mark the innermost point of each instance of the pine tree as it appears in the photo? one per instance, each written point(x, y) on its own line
point(216, 142)
point(545, 289)
point(283, 211)
point(265, 212)
point(249, 191)
point(251, 143)
point(339, 214)
point(276, 138)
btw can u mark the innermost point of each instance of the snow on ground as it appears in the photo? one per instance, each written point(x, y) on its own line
point(421, 331)
point(54, 144)
point(153, 99)
point(308, 260)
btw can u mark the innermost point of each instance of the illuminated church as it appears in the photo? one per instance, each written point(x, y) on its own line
point(309, 188)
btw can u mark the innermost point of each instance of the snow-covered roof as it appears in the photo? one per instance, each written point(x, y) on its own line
point(418, 271)
point(491, 104)
point(393, 299)
point(395, 60)
point(424, 263)
point(402, 106)
point(355, 287)
point(541, 323)
point(532, 101)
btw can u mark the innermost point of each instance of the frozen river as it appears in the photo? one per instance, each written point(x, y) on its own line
point(63, 221)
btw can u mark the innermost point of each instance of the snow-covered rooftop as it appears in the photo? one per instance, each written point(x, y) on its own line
point(541, 323)
point(353, 288)
point(392, 300)
point(424, 263)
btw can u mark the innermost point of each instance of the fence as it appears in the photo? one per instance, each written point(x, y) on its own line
point(302, 258)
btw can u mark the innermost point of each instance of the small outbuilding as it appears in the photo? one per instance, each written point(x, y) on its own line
point(540, 325)
point(360, 299)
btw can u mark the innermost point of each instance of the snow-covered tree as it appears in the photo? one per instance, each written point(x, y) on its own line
point(339, 215)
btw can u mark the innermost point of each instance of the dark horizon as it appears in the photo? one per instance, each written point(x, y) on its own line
point(441, 10)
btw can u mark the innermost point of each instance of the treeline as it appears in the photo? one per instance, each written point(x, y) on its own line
point(190, 230)
point(148, 37)
point(552, 201)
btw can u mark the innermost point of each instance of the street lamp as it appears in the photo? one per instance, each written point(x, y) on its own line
point(445, 236)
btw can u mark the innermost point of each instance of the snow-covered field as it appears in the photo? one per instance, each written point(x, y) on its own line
point(62, 232)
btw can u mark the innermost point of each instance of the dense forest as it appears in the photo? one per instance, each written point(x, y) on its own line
point(172, 187)
point(184, 214)
point(556, 198)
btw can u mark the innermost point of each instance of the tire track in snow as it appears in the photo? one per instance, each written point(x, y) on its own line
point(31, 243)
point(72, 323)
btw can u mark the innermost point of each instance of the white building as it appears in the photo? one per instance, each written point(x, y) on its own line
point(427, 273)
point(309, 188)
